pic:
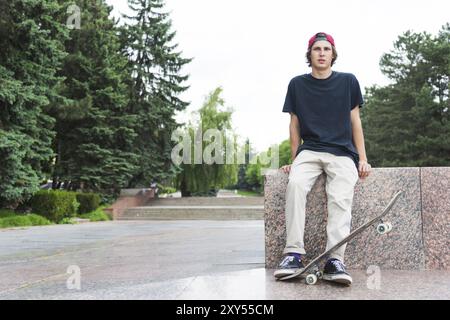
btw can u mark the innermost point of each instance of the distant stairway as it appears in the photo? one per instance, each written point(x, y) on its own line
point(198, 208)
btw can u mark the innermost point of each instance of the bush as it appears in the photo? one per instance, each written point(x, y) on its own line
point(162, 189)
point(67, 220)
point(55, 204)
point(4, 213)
point(108, 199)
point(37, 220)
point(97, 215)
point(88, 202)
point(15, 221)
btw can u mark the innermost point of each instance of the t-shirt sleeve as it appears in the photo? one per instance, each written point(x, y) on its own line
point(289, 101)
point(357, 99)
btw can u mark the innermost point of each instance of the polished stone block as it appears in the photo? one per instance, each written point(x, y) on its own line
point(402, 248)
point(436, 216)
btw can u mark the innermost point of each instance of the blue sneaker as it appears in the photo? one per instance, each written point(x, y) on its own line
point(289, 265)
point(334, 270)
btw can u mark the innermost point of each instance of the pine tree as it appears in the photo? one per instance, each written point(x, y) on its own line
point(154, 86)
point(31, 52)
point(94, 132)
point(407, 123)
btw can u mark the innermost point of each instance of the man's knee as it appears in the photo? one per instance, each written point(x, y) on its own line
point(298, 185)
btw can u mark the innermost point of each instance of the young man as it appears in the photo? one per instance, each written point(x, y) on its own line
point(324, 108)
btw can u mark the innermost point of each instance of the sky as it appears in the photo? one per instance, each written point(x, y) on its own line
point(253, 48)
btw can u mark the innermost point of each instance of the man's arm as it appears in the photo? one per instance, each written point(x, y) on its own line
point(358, 140)
point(294, 135)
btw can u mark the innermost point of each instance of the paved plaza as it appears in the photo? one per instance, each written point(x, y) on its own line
point(174, 260)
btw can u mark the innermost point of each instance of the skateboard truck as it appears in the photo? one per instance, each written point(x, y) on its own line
point(384, 227)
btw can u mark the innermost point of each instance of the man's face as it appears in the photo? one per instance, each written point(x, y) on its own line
point(321, 55)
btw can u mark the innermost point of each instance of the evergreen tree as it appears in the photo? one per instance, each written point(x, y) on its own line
point(407, 123)
point(31, 52)
point(154, 86)
point(94, 132)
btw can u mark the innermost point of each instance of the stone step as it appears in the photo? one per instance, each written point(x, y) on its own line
point(227, 194)
point(207, 201)
point(194, 213)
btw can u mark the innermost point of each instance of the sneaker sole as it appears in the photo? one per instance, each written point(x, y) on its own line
point(340, 278)
point(283, 273)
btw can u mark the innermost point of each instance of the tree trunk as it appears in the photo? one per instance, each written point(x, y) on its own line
point(183, 188)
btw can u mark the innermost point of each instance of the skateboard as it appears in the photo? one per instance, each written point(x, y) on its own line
point(312, 269)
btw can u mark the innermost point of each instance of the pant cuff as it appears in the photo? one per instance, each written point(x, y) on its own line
point(294, 250)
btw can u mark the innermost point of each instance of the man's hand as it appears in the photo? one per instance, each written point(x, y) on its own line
point(286, 168)
point(364, 169)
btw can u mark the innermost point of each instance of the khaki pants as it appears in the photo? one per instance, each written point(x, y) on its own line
point(342, 176)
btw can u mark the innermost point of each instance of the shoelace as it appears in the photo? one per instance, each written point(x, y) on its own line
point(338, 265)
point(287, 259)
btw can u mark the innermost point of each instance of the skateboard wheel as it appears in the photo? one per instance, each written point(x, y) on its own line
point(319, 274)
point(389, 226)
point(311, 279)
point(382, 228)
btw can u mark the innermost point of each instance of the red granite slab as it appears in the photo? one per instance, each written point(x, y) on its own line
point(402, 248)
point(436, 216)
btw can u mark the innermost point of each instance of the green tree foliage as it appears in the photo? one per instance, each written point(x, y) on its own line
point(204, 177)
point(407, 123)
point(92, 107)
point(242, 181)
point(284, 153)
point(154, 86)
point(94, 132)
point(254, 171)
point(31, 53)
point(253, 176)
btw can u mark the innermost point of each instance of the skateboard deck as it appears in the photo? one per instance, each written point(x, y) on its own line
point(381, 228)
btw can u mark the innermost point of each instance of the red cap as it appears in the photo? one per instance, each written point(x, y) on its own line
point(320, 36)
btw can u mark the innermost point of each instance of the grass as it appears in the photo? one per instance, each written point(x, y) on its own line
point(8, 220)
point(66, 220)
point(96, 215)
point(248, 193)
point(11, 219)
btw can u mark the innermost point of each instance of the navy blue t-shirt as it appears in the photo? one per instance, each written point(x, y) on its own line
point(323, 109)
